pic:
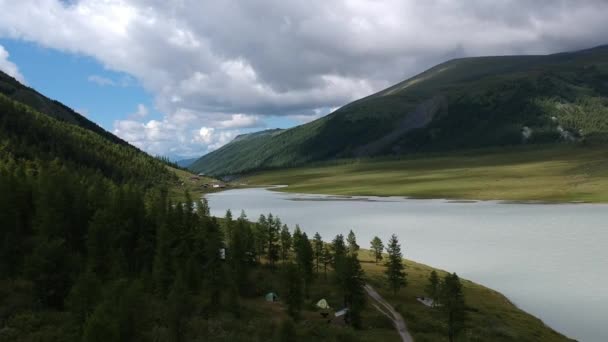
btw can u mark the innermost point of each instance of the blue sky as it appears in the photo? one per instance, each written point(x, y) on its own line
point(65, 77)
point(85, 85)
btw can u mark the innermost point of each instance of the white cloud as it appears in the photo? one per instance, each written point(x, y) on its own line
point(103, 81)
point(9, 67)
point(242, 121)
point(100, 80)
point(176, 138)
point(142, 112)
point(206, 62)
point(213, 138)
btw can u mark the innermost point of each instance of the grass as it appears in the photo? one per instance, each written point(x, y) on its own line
point(492, 317)
point(185, 185)
point(311, 325)
point(553, 174)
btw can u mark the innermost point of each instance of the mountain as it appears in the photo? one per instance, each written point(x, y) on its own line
point(11, 88)
point(460, 104)
point(185, 162)
point(36, 131)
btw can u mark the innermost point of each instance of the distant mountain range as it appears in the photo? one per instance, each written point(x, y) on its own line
point(185, 162)
point(460, 104)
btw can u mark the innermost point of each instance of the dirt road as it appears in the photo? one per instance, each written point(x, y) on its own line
point(384, 307)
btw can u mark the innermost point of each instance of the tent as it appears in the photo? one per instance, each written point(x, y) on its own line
point(341, 312)
point(322, 304)
point(271, 297)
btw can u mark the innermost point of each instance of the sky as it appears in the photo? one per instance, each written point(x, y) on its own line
point(181, 78)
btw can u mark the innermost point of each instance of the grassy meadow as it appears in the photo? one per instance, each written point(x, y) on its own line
point(492, 317)
point(552, 174)
point(193, 187)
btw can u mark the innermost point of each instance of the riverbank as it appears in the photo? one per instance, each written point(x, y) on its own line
point(564, 174)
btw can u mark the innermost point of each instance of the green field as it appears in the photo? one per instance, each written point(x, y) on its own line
point(184, 184)
point(552, 174)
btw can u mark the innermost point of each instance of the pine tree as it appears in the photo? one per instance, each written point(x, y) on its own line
point(259, 234)
point(432, 289)
point(395, 268)
point(213, 267)
point(273, 228)
point(304, 259)
point(339, 249)
point(102, 326)
point(318, 250)
point(99, 243)
point(50, 268)
point(178, 308)
point(84, 296)
point(296, 238)
point(285, 243)
point(453, 305)
point(239, 255)
point(228, 225)
point(350, 279)
point(326, 259)
point(122, 316)
point(203, 208)
point(377, 247)
point(292, 290)
point(163, 261)
point(353, 247)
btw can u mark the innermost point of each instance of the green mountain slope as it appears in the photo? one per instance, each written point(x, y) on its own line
point(463, 103)
point(56, 135)
point(28, 96)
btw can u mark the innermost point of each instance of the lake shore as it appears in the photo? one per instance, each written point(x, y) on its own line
point(569, 174)
point(489, 242)
point(493, 317)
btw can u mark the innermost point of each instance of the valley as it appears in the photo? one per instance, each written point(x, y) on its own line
point(540, 173)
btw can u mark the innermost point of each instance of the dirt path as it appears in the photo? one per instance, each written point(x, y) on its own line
point(384, 307)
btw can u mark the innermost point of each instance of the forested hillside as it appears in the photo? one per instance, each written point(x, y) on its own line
point(460, 104)
point(92, 249)
point(32, 139)
point(23, 94)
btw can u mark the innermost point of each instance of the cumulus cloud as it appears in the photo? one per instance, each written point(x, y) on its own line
point(242, 121)
point(207, 62)
point(9, 67)
point(214, 139)
point(162, 137)
point(142, 112)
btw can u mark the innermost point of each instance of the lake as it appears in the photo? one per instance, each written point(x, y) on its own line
point(551, 260)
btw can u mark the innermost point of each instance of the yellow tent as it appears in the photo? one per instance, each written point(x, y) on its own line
point(322, 304)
